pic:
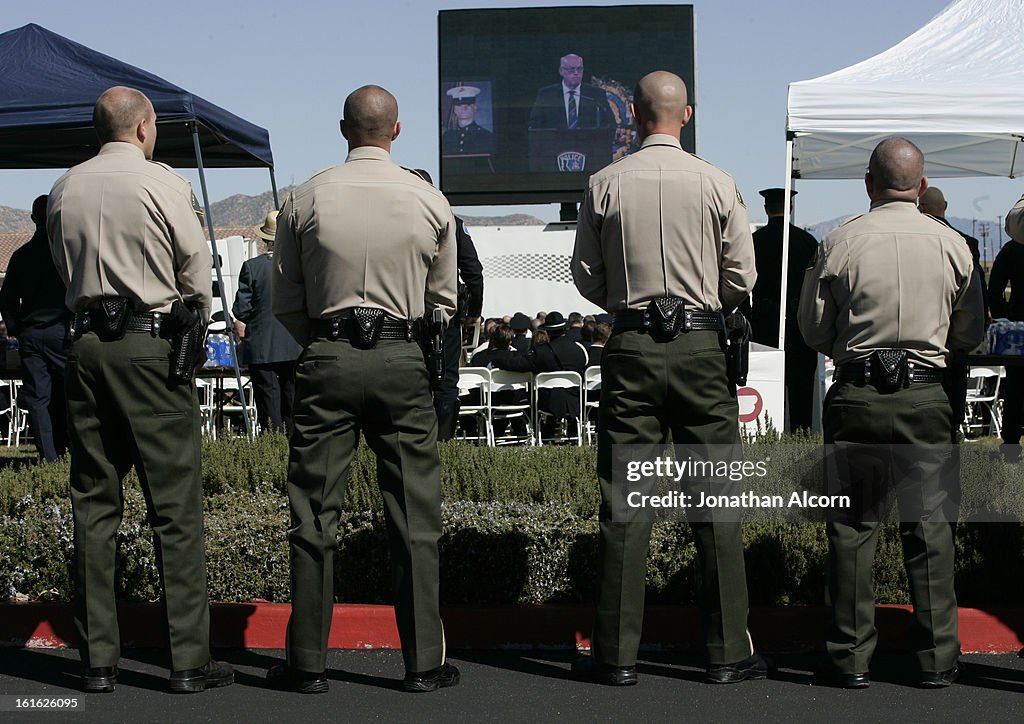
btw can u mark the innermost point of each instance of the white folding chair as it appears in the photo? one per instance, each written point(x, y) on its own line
point(206, 392)
point(591, 401)
point(982, 396)
point(520, 384)
point(475, 387)
point(234, 407)
point(558, 380)
point(17, 416)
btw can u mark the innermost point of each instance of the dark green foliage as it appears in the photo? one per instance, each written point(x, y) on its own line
point(519, 526)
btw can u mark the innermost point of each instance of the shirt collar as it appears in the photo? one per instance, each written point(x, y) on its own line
point(901, 205)
point(661, 139)
point(121, 147)
point(368, 153)
point(566, 89)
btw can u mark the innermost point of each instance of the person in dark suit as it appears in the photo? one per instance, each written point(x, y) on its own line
point(599, 336)
point(272, 351)
point(801, 360)
point(32, 305)
point(571, 103)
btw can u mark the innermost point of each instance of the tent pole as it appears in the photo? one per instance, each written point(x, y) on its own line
point(273, 187)
point(220, 277)
point(787, 217)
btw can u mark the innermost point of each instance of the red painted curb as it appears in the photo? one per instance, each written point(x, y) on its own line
point(359, 626)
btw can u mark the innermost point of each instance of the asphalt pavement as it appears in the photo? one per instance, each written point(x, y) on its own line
point(507, 686)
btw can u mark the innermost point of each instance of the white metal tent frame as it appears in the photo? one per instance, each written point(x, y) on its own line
point(955, 88)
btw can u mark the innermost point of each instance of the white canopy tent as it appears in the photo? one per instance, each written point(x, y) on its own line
point(955, 88)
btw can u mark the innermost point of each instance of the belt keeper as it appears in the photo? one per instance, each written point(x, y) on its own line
point(157, 321)
point(688, 320)
point(910, 374)
point(867, 370)
point(335, 328)
point(408, 330)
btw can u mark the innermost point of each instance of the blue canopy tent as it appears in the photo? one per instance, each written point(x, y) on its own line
point(48, 87)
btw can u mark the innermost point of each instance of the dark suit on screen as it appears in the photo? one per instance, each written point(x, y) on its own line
point(592, 103)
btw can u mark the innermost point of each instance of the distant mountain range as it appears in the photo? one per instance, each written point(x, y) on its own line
point(242, 210)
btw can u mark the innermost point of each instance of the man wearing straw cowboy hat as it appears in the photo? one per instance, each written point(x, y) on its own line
point(272, 351)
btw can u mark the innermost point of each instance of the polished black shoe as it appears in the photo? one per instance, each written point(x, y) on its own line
point(938, 679)
point(829, 675)
point(754, 666)
point(444, 675)
point(589, 668)
point(282, 676)
point(191, 681)
point(99, 679)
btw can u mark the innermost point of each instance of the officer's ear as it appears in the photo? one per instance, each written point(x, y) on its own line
point(687, 115)
point(398, 129)
point(341, 125)
point(922, 186)
point(869, 184)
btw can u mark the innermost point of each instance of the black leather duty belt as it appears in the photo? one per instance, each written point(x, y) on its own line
point(348, 329)
point(627, 320)
point(151, 322)
point(861, 373)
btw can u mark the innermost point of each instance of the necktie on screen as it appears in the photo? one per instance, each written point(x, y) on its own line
point(573, 117)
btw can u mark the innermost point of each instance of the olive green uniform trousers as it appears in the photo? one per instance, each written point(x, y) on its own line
point(122, 412)
point(383, 392)
point(926, 487)
point(666, 392)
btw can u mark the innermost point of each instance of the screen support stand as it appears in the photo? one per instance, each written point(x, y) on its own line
point(568, 211)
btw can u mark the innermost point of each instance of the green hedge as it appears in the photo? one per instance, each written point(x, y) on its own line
point(519, 526)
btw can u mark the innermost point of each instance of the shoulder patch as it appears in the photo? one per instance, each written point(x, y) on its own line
point(739, 198)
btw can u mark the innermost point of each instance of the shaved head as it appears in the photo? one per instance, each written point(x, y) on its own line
point(370, 117)
point(660, 103)
point(932, 202)
point(896, 165)
point(118, 113)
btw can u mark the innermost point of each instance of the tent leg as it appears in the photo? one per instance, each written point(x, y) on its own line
point(787, 216)
point(249, 432)
point(273, 187)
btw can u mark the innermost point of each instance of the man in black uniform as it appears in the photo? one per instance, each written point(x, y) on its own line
point(520, 325)
point(471, 301)
point(467, 137)
point(801, 360)
point(32, 305)
point(1008, 268)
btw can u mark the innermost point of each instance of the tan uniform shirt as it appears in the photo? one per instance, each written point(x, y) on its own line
point(1015, 221)
point(366, 233)
point(662, 222)
point(892, 278)
point(122, 226)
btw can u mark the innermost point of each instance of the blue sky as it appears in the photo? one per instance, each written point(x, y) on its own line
point(288, 67)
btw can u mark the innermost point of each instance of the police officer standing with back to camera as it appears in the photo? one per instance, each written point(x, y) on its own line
point(363, 250)
point(126, 241)
point(891, 295)
point(663, 242)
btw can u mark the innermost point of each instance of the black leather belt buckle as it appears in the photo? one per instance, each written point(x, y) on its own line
point(665, 317)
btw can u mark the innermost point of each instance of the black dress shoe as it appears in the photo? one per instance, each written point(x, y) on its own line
point(754, 666)
point(282, 676)
point(829, 675)
point(938, 679)
point(589, 668)
point(444, 675)
point(99, 679)
point(191, 681)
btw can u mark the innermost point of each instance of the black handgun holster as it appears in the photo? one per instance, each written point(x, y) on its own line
point(188, 349)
